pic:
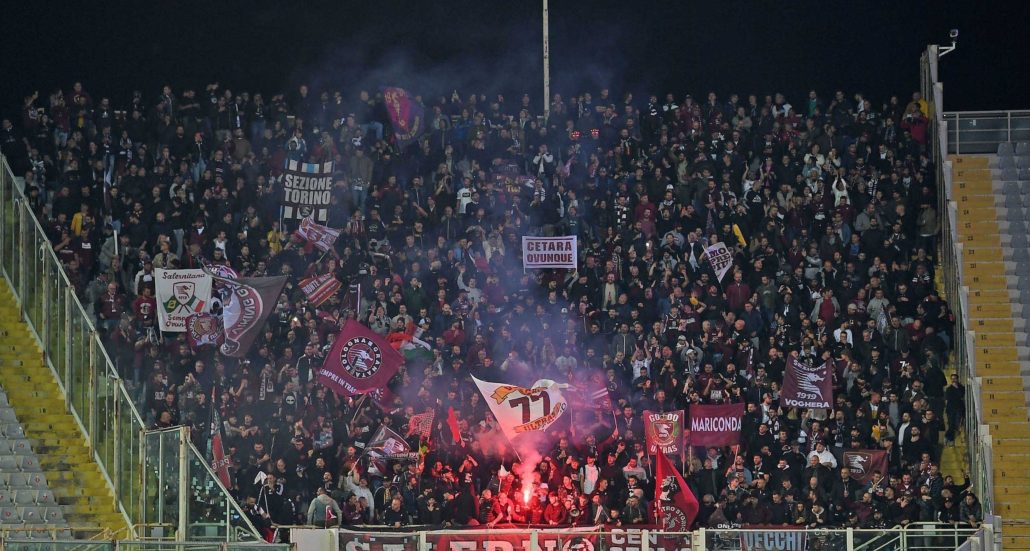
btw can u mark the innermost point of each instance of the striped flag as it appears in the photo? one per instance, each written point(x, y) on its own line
point(319, 289)
point(321, 237)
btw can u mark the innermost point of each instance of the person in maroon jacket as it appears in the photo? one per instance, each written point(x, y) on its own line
point(110, 307)
point(555, 512)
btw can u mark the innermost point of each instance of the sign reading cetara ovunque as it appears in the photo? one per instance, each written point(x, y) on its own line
point(549, 252)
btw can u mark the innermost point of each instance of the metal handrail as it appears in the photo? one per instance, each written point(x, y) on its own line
point(985, 140)
point(20, 206)
point(978, 437)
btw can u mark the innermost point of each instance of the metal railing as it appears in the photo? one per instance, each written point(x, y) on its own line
point(74, 350)
point(979, 450)
point(971, 132)
point(205, 511)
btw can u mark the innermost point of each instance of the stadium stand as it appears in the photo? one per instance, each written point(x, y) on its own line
point(828, 209)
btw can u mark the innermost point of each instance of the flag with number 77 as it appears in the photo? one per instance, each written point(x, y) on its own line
point(519, 410)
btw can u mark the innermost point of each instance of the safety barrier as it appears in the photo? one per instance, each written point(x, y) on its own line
point(94, 392)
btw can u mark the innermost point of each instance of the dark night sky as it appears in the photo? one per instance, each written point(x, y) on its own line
point(431, 47)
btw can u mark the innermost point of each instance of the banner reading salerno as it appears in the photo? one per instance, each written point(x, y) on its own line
point(180, 294)
point(549, 252)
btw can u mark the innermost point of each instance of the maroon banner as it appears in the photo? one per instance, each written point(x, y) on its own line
point(715, 425)
point(664, 431)
point(250, 302)
point(407, 116)
point(204, 329)
point(319, 289)
point(517, 539)
point(864, 462)
point(359, 361)
point(807, 385)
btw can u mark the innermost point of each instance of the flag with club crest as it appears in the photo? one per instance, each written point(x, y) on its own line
point(321, 237)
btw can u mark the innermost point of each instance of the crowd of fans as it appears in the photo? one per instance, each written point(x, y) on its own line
point(828, 206)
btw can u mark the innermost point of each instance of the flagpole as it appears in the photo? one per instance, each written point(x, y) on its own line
point(357, 407)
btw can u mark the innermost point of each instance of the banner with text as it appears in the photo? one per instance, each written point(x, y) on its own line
point(519, 410)
point(715, 425)
point(806, 385)
point(586, 538)
point(721, 259)
point(665, 431)
point(307, 190)
point(180, 294)
point(549, 252)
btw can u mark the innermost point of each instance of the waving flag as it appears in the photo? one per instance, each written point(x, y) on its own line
point(387, 444)
point(359, 361)
point(519, 410)
point(319, 289)
point(421, 424)
point(406, 115)
point(250, 302)
point(674, 503)
point(204, 329)
point(863, 463)
point(721, 259)
point(321, 237)
point(807, 386)
point(216, 452)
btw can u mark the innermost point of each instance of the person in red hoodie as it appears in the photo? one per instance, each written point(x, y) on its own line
point(555, 513)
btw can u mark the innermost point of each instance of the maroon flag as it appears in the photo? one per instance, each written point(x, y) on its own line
point(715, 425)
point(864, 462)
point(249, 303)
point(319, 289)
point(674, 503)
point(216, 452)
point(384, 398)
point(806, 385)
point(407, 116)
point(421, 424)
point(452, 423)
point(664, 431)
point(204, 329)
point(359, 361)
point(321, 237)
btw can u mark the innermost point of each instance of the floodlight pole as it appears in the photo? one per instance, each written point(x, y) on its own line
point(547, 67)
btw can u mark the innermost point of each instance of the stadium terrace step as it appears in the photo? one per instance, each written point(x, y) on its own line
point(1004, 384)
point(67, 463)
point(988, 216)
point(968, 162)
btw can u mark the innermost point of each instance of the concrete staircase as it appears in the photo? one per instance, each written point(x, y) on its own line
point(73, 475)
point(986, 223)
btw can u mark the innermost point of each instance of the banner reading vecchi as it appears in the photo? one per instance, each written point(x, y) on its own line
point(307, 190)
point(715, 425)
point(549, 252)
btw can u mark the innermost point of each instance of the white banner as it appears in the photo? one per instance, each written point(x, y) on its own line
point(519, 410)
point(549, 252)
point(721, 259)
point(180, 293)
